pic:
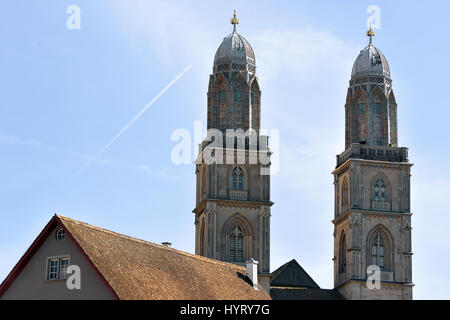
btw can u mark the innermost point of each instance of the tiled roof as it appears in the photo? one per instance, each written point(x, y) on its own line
point(137, 269)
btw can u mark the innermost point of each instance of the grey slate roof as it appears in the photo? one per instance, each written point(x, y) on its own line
point(371, 61)
point(291, 274)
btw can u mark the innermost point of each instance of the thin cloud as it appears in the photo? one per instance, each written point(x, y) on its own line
point(6, 139)
point(157, 173)
point(130, 123)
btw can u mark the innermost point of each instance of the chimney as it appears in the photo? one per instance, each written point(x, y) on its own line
point(252, 272)
point(167, 244)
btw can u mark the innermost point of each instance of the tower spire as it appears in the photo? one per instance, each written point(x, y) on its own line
point(370, 33)
point(234, 21)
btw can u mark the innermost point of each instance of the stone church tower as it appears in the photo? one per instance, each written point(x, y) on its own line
point(232, 213)
point(372, 220)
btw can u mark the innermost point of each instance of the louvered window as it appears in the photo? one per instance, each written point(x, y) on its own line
point(378, 251)
point(236, 245)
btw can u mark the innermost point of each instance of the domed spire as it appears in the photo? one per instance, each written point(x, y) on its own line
point(371, 60)
point(235, 54)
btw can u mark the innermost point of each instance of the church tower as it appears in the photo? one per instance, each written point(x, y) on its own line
point(232, 213)
point(372, 220)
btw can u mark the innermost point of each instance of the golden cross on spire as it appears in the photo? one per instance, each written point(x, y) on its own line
point(370, 33)
point(234, 21)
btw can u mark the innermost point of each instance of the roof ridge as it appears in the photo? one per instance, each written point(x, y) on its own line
point(151, 243)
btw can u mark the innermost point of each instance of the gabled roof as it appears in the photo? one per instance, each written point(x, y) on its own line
point(292, 282)
point(291, 274)
point(137, 269)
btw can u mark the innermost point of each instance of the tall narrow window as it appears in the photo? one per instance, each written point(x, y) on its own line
point(202, 239)
point(361, 108)
point(378, 251)
point(238, 95)
point(376, 108)
point(64, 264)
point(379, 191)
point(345, 194)
point(241, 183)
point(342, 254)
point(236, 245)
point(237, 179)
point(222, 96)
point(53, 269)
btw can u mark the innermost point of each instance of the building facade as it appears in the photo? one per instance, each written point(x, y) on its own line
point(112, 266)
point(232, 213)
point(372, 220)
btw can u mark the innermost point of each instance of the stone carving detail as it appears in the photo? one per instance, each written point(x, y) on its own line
point(238, 66)
point(222, 67)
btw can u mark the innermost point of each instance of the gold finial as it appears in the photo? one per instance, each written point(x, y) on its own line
point(234, 21)
point(370, 33)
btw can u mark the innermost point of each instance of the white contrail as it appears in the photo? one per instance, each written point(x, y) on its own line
point(140, 113)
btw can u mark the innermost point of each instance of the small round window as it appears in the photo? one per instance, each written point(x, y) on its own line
point(60, 234)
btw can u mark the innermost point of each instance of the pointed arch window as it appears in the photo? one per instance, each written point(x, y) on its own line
point(202, 239)
point(237, 179)
point(236, 245)
point(379, 190)
point(378, 251)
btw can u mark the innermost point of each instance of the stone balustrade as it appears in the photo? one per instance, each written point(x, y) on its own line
point(366, 152)
point(387, 276)
point(381, 205)
point(238, 195)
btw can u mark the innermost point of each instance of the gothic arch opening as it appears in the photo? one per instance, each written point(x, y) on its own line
point(380, 188)
point(238, 178)
point(393, 119)
point(237, 237)
point(378, 117)
point(361, 117)
point(342, 260)
point(380, 248)
point(202, 238)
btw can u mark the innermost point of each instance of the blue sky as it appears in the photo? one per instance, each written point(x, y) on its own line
point(65, 93)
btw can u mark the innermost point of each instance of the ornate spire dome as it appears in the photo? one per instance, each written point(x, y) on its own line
point(371, 60)
point(236, 50)
point(371, 110)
